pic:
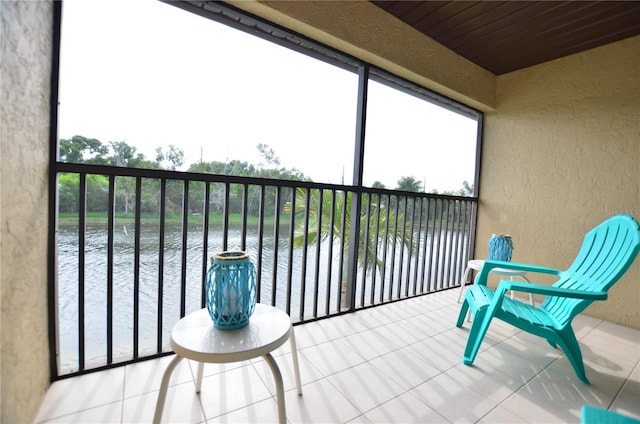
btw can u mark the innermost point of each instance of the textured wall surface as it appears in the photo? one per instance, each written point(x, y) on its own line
point(367, 32)
point(24, 153)
point(561, 154)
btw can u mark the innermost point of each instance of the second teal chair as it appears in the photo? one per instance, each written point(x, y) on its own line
point(607, 252)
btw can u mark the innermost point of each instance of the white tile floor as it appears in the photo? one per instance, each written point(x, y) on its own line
point(399, 363)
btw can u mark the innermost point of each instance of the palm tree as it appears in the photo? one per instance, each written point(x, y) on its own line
point(377, 224)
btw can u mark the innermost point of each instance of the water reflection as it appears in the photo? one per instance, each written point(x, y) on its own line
point(321, 288)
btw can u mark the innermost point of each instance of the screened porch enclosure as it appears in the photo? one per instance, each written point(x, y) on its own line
point(251, 164)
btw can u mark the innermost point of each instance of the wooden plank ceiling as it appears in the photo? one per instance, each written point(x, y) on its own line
point(504, 36)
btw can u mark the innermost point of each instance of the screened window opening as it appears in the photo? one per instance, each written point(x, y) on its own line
point(190, 93)
point(413, 144)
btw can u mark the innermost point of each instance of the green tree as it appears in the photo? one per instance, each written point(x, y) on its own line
point(409, 184)
point(172, 159)
point(75, 148)
point(125, 155)
point(97, 193)
point(68, 192)
point(466, 190)
point(268, 154)
point(97, 187)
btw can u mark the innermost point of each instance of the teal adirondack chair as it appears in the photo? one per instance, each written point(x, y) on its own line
point(607, 252)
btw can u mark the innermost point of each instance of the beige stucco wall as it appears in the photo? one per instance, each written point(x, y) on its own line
point(24, 146)
point(561, 153)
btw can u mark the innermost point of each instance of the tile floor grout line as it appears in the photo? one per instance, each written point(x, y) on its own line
point(624, 384)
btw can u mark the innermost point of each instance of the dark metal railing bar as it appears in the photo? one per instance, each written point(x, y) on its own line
point(290, 251)
point(383, 274)
point(110, 251)
point(82, 231)
point(474, 222)
point(425, 242)
point(471, 234)
point(365, 259)
point(342, 243)
point(445, 248)
point(467, 231)
point(332, 217)
point(393, 250)
point(464, 240)
point(432, 244)
point(417, 234)
point(459, 240)
point(316, 273)
point(412, 253)
point(462, 245)
point(405, 218)
point(436, 257)
point(260, 244)
point(245, 208)
point(276, 237)
point(225, 216)
point(107, 170)
point(353, 252)
point(136, 270)
point(412, 248)
point(375, 249)
point(441, 251)
point(185, 232)
point(455, 239)
point(205, 243)
point(441, 244)
point(416, 264)
point(305, 249)
point(454, 243)
point(444, 271)
point(163, 205)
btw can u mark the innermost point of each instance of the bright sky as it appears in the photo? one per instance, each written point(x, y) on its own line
point(151, 74)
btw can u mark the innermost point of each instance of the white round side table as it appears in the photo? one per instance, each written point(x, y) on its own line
point(194, 337)
point(476, 264)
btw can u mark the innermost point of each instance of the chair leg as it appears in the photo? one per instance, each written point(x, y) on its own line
point(463, 312)
point(569, 345)
point(479, 327)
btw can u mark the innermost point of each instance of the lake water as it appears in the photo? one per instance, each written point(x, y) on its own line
point(95, 290)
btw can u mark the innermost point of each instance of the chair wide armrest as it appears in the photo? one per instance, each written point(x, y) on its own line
point(551, 291)
point(516, 266)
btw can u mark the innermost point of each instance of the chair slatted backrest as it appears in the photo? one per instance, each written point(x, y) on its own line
point(606, 253)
